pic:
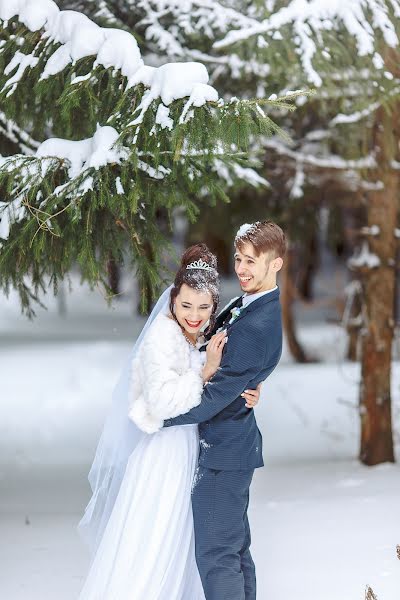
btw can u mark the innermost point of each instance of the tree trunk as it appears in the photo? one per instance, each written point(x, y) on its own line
point(375, 397)
point(287, 302)
point(354, 326)
point(113, 270)
point(310, 263)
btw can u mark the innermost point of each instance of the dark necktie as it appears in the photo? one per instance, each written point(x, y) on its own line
point(225, 316)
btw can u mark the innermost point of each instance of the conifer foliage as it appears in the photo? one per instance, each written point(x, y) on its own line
point(350, 52)
point(133, 142)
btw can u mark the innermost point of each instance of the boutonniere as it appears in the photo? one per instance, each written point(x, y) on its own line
point(235, 312)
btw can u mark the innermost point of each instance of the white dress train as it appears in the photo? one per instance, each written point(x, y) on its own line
point(147, 549)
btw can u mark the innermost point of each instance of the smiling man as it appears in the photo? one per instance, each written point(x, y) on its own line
point(230, 441)
point(258, 257)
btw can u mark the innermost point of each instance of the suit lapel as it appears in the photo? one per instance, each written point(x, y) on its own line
point(220, 320)
point(255, 304)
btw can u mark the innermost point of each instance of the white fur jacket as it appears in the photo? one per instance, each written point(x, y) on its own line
point(166, 376)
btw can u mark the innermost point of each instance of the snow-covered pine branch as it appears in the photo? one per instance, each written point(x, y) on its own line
point(364, 258)
point(16, 135)
point(330, 161)
point(138, 141)
point(307, 22)
point(184, 30)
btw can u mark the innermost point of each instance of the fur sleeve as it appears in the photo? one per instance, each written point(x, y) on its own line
point(171, 384)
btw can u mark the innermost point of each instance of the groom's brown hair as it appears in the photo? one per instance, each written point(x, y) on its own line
point(264, 236)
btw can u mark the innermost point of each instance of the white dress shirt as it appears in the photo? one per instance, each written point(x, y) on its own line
point(247, 298)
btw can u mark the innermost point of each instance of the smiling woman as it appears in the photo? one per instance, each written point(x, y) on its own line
point(195, 293)
point(192, 310)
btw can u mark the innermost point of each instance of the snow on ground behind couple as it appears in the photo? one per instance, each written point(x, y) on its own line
point(323, 525)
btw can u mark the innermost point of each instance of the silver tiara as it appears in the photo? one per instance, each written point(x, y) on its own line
point(200, 264)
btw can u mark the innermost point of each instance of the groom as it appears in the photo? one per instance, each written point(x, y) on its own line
point(230, 441)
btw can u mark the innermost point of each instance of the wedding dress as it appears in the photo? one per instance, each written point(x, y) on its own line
point(147, 549)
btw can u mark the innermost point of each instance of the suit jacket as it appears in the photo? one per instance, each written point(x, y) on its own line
point(229, 436)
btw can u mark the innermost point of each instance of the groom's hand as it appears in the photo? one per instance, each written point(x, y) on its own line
point(252, 396)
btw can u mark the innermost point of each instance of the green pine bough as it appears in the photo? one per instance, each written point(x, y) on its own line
point(126, 157)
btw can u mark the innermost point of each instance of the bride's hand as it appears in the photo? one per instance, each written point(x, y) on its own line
point(252, 396)
point(214, 354)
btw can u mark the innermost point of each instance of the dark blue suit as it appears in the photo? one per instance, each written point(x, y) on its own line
point(230, 450)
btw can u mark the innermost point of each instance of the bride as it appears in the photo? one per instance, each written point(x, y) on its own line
point(139, 520)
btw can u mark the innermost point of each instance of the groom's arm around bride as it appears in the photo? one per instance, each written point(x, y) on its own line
point(251, 353)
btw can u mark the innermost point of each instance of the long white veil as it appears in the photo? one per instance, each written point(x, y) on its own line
point(117, 442)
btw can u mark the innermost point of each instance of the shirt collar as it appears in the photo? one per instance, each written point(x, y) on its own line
point(248, 298)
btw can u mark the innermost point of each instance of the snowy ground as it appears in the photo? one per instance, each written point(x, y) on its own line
point(323, 525)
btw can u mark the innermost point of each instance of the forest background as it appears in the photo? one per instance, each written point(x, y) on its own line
point(298, 122)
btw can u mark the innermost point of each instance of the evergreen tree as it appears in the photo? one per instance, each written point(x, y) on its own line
point(342, 140)
point(347, 135)
point(154, 138)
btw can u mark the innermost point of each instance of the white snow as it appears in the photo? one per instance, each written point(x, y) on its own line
point(356, 116)
point(352, 291)
point(115, 49)
point(56, 62)
point(75, 80)
point(112, 48)
point(119, 186)
point(173, 81)
point(374, 230)
point(243, 230)
point(296, 190)
point(162, 117)
point(4, 221)
point(120, 51)
point(10, 212)
point(396, 7)
point(158, 173)
point(332, 161)
point(232, 172)
point(13, 132)
point(309, 18)
point(10, 8)
point(323, 526)
point(364, 258)
point(36, 14)
point(95, 152)
point(23, 62)
point(249, 175)
point(200, 94)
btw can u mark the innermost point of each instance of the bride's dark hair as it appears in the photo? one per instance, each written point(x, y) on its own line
point(198, 279)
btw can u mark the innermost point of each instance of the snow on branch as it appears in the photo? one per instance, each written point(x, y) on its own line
point(330, 162)
point(308, 18)
point(364, 258)
point(296, 190)
point(357, 116)
point(18, 136)
point(79, 37)
point(209, 16)
point(96, 151)
point(231, 173)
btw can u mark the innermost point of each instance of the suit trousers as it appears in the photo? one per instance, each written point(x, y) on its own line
point(220, 501)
